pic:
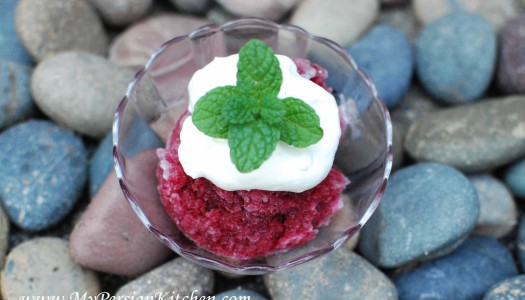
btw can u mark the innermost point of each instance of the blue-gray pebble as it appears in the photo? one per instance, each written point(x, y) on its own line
point(16, 102)
point(521, 243)
point(342, 274)
point(427, 209)
point(43, 169)
point(385, 54)
point(239, 294)
point(10, 46)
point(455, 57)
point(509, 289)
point(515, 178)
point(466, 273)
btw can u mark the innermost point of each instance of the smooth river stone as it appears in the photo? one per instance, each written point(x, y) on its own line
point(43, 266)
point(10, 46)
point(509, 289)
point(16, 103)
point(109, 237)
point(268, 9)
point(4, 235)
point(467, 273)
point(135, 45)
point(426, 210)
point(180, 276)
point(515, 178)
point(402, 18)
point(342, 21)
point(47, 27)
point(521, 242)
point(496, 12)
point(121, 12)
point(80, 91)
point(341, 274)
point(510, 73)
point(473, 138)
point(498, 213)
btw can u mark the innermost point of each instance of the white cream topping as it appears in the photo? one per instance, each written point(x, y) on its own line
point(288, 168)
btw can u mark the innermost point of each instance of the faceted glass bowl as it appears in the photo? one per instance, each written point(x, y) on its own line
point(158, 96)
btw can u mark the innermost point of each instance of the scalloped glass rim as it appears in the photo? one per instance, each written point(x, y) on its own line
point(226, 265)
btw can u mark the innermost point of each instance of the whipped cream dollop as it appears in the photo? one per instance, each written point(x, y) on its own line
point(289, 168)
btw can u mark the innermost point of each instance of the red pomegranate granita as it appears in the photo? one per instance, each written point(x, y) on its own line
point(246, 223)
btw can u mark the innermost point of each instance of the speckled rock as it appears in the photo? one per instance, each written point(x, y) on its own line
point(47, 27)
point(385, 53)
point(341, 274)
point(521, 243)
point(109, 237)
point(122, 12)
point(497, 12)
point(269, 9)
point(427, 209)
point(458, 37)
point(80, 91)
point(515, 178)
point(134, 46)
point(239, 292)
point(10, 46)
point(4, 235)
point(509, 289)
point(179, 276)
point(498, 213)
point(511, 61)
point(483, 262)
point(191, 6)
point(16, 103)
point(341, 21)
point(43, 266)
point(402, 18)
point(43, 169)
point(459, 137)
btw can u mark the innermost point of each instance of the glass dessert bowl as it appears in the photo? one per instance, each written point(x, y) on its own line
point(158, 97)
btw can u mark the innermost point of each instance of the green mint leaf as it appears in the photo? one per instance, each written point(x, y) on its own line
point(300, 127)
point(258, 70)
point(252, 144)
point(207, 114)
point(241, 109)
point(272, 109)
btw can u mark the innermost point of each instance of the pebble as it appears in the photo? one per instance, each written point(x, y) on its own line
point(178, 276)
point(459, 137)
point(521, 243)
point(398, 135)
point(341, 274)
point(467, 273)
point(134, 46)
point(191, 6)
point(16, 103)
point(268, 9)
point(341, 21)
point(122, 12)
point(101, 163)
point(47, 27)
point(515, 178)
point(43, 266)
point(498, 212)
point(10, 46)
point(496, 12)
point(511, 63)
point(109, 237)
point(239, 293)
point(402, 18)
point(80, 91)
point(509, 289)
point(458, 37)
point(4, 236)
point(385, 53)
point(43, 169)
point(427, 209)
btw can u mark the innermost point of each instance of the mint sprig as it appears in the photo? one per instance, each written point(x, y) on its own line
point(251, 116)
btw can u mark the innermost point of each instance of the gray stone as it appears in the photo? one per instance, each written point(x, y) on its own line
point(398, 135)
point(122, 12)
point(47, 27)
point(521, 242)
point(426, 211)
point(498, 212)
point(43, 266)
point(341, 21)
point(191, 6)
point(509, 75)
point(4, 236)
point(238, 293)
point(341, 274)
point(402, 18)
point(16, 103)
point(509, 289)
point(179, 275)
point(269, 9)
point(81, 91)
point(460, 137)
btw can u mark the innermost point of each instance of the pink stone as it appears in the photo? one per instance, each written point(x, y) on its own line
point(270, 9)
point(109, 237)
point(133, 47)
